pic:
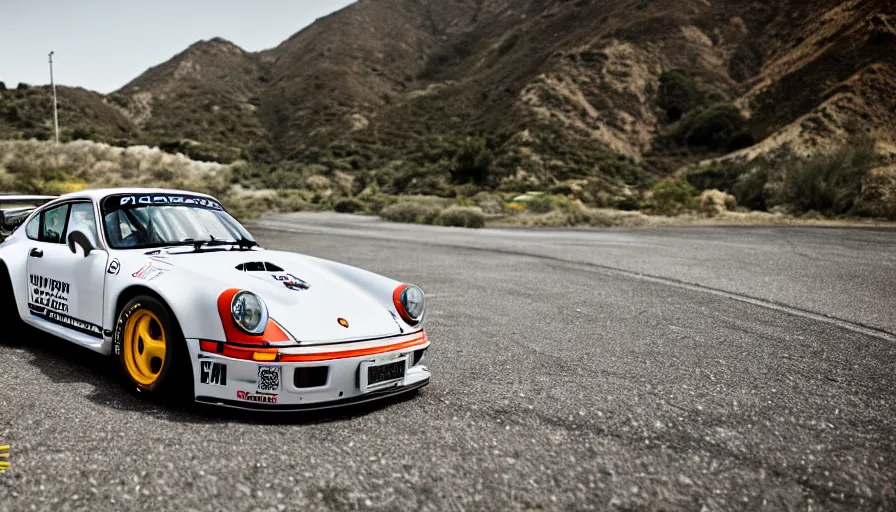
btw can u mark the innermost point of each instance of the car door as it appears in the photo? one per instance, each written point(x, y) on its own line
point(65, 288)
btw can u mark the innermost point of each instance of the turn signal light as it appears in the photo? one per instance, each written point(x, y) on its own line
point(264, 356)
point(249, 354)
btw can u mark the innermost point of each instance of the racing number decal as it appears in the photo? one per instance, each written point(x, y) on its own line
point(212, 373)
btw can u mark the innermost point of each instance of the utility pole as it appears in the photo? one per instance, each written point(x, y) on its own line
point(55, 113)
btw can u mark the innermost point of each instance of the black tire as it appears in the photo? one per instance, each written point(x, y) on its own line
point(14, 327)
point(174, 380)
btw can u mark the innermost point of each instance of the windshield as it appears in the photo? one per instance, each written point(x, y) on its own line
point(133, 221)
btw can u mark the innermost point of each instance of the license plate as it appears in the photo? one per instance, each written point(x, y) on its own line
point(375, 375)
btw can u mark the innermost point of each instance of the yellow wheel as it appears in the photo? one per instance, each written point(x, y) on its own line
point(144, 346)
point(151, 349)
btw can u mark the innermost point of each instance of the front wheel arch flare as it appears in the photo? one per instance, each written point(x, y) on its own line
point(133, 291)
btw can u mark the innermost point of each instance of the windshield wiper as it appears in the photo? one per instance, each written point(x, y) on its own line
point(243, 243)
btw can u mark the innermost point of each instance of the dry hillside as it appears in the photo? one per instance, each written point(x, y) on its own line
point(513, 93)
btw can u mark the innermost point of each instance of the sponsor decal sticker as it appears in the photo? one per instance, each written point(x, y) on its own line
point(149, 272)
point(114, 267)
point(49, 299)
point(66, 321)
point(212, 373)
point(268, 379)
point(151, 199)
point(292, 282)
point(250, 397)
point(49, 293)
point(4, 457)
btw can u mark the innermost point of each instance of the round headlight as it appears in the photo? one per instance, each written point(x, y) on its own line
point(410, 303)
point(249, 312)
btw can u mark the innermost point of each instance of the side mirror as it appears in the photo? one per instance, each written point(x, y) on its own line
point(79, 238)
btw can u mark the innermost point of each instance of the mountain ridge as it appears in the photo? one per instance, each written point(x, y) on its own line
point(555, 90)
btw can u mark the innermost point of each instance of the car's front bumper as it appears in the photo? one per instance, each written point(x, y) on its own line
point(232, 382)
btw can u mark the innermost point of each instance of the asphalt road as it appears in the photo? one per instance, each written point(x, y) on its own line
point(687, 369)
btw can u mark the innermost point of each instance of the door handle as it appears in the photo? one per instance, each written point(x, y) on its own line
point(36, 253)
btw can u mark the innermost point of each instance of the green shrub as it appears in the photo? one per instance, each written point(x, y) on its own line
point(411, 212)
point(831, 183)
point(376, 202)
point(472, 162)
point(462, 216)
point(547, 203)
point(348, 205)
point(717, 175)
point(672, 196)
point(540, 204)
point(581, 216)
point(80, 133)
point(750, 188)
point(467, 190)
point(719, 127)
point(34, 164)
point(414, 179)
point(878, 197)
point(629, 202)
point(246, 207)
point(834, 183)
point(678, 94)
point(562, 189)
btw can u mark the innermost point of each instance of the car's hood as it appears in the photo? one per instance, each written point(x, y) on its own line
point(304, 297)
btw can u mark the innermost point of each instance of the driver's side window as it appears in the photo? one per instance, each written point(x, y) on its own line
point(53, 225)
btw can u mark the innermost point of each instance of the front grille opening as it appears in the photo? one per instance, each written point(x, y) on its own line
point(417, 357)
point(258, 266)
point(311, 376)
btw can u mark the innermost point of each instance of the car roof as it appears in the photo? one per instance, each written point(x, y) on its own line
point(99, 193)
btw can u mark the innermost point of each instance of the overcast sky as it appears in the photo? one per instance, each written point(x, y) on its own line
point(103, 44)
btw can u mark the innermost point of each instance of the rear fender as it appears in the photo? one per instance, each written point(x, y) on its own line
point(13, 254)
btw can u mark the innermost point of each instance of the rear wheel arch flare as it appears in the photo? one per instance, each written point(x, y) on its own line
point(6, 281)
point(15, 325)
point(6, 278)
point(4, 271)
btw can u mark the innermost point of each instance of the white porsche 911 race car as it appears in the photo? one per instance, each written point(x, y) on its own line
point(180, 294)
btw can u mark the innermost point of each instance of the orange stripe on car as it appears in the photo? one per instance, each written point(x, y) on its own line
point(345, 354)
point(312, 353)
